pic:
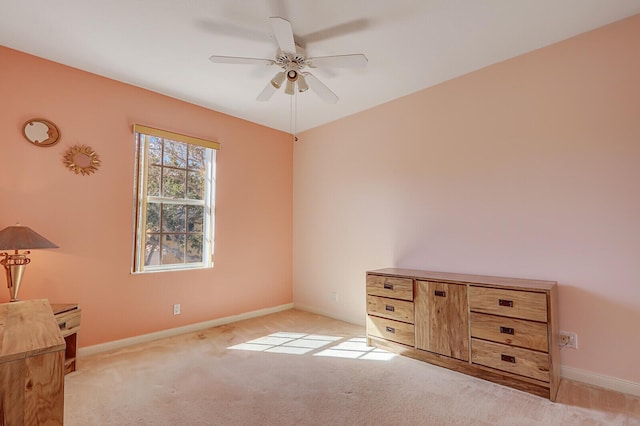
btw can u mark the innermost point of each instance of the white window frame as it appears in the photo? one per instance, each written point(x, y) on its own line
point(142, 199)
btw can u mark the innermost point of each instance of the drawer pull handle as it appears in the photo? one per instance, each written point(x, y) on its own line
point(388, 286)
point(390, 308)
point(506, 330)
point(391, 330)
point(508, 358)
point(440, 293)
point(62, 325)
point(504, 302)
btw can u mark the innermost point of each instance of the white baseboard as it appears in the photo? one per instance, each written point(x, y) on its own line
point(123, 343)
point(315, 310)
point(619, 385)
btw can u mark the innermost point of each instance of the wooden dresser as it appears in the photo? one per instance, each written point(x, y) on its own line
point(499, 329)
point(31, 365)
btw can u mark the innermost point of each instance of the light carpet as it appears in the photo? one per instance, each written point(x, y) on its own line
point(237, 375)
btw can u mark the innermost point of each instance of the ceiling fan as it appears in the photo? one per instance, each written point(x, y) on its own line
point(291, 58)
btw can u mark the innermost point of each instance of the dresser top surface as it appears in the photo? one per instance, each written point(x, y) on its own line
point(486, 280)
point(28, 328)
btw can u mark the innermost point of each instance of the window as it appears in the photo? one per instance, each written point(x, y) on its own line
point(175, 193)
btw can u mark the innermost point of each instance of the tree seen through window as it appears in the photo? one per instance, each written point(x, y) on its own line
point(175, 201)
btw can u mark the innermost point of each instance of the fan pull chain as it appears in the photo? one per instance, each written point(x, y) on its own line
point(293, 124)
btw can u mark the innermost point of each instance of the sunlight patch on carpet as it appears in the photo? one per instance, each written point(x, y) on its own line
point(322, 345)
point(356, 348)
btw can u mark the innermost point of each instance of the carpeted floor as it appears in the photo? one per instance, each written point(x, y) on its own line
point(297, 368)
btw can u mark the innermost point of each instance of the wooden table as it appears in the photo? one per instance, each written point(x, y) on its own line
point(31, 365)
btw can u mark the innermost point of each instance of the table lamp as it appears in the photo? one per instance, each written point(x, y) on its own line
point(19, 238)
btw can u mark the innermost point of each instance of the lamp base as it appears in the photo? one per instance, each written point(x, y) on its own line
point(14, 265)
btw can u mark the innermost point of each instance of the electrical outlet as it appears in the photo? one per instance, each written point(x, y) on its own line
point(334, 296)
point(176, 309)
point(568, 339)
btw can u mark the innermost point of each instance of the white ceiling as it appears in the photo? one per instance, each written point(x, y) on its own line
point(164, 45)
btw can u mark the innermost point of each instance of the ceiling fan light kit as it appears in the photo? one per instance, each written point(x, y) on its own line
point(292, 75)
point(293, 61)
point(289, 89)
point(277, 80)
point(302, 84)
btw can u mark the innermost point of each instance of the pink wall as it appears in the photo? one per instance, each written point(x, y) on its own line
point(528, 168)
point(90, 217)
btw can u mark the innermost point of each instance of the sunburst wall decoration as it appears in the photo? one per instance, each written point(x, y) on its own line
point(81, 159)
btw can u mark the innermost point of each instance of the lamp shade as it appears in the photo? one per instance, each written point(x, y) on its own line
point(277, 80)
point(290, 87)
point(20, 237)
point(302, 84)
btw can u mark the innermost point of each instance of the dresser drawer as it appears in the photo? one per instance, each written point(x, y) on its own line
point(397, 331)
point(514, 360)
point(393, 287)
point(510, 331)
point(399, 310)
point(69, 322)
point(509, 303)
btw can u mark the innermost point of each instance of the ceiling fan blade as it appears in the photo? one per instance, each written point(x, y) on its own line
point(237, 60)
point(338, 61)
point(283, 33)
point(321, 90)
point(266, 93)
point(335, 31)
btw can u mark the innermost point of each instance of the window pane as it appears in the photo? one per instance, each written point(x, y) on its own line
point(195, 218)
point(153, 180)
point(173, 218)
point(195, 185)
point(152, 250)
point(173, 183)
point(155, 150)
point(173, 248)
point(175, 154)
point(194, 248)
point(173, 236)
point(196, 157)
point(153, 217)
